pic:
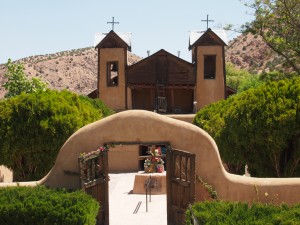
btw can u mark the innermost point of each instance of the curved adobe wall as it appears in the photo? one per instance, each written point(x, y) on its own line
point(144, 126)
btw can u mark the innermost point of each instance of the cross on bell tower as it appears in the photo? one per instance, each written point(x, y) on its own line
point(207, 20)
point(113, 22)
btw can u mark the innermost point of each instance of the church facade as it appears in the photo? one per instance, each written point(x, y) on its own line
point(162, 82)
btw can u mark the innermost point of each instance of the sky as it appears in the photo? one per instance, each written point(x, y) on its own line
point(38, 27)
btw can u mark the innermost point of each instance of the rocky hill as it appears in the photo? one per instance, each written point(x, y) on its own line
point(251, 53)
point(75, 70)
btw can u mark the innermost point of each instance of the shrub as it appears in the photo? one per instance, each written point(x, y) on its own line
point(41, 205)
point(276, 76)
point(218, 212)
point(33, 127)
point(98, 104)
point(259, 127)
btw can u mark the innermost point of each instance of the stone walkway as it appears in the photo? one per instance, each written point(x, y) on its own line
point(123, 203)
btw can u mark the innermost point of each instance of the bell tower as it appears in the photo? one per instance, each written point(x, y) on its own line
point(208, 56)
point(112, 62)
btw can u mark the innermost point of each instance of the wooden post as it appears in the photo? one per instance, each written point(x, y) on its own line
point(192, 174)
point(105, 171)
point(168, 177)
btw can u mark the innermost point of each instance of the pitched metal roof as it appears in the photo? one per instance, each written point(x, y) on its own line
point(196, 34)
point(126, 37)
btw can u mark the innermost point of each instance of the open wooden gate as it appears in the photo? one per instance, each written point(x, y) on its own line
point(94, 180)
point(180, 184)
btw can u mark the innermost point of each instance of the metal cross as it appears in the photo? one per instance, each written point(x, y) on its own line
point(207, 20)
point(113, 23)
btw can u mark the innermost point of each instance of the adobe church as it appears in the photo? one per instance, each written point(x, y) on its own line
point(162, 82)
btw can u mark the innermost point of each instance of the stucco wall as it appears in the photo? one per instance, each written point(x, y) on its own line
point(114, 97)
point(183, 117)
point(209, 90)
point(123, 158)
point(144, 126)
point(129, 98)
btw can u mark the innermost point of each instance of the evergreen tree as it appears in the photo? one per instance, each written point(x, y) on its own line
point(33, 128)
point(258, 127)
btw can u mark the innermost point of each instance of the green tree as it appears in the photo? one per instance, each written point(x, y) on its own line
point(241, 80)
point(276, 76)
point(33, 128)
point(278, 23)
point(17, 81)
point(258, 127)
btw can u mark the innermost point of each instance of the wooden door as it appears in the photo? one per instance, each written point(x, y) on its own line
point(142, 99)
point(180, 184)
point(94, 180)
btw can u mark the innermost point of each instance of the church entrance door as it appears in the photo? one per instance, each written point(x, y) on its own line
point(180, 184)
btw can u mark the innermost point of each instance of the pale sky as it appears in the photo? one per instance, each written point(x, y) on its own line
point(37, 27)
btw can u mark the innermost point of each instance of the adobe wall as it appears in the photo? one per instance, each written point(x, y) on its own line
point(129, 98)
point(123, 158)
point(144, 126)
point(183, 117)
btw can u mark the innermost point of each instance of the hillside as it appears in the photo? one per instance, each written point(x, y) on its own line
point(251, 53)
point(75, 70)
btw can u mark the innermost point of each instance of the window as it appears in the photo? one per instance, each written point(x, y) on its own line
point(209, 67)
point(112, 74)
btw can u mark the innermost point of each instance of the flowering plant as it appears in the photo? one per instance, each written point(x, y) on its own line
point(155, 162)
point(147, 162)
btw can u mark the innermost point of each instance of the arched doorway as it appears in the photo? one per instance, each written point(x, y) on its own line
point(180, 180)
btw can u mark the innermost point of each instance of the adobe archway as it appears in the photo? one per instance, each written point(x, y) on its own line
point(144, 126)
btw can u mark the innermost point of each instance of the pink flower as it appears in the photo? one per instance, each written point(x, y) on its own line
point(159, 150)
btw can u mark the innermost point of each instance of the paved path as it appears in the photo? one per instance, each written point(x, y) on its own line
point(123, 203)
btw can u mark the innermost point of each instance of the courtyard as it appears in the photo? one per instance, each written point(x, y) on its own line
point(122, 204)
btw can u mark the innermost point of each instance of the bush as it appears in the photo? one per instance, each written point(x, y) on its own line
point(33, 127)
point(218, 212)
point(98, 104)
point(259, 127)
point(41, 205)
point(276, 76)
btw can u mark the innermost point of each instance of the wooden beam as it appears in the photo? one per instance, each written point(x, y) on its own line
point(138, 143)
point(151, 86)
